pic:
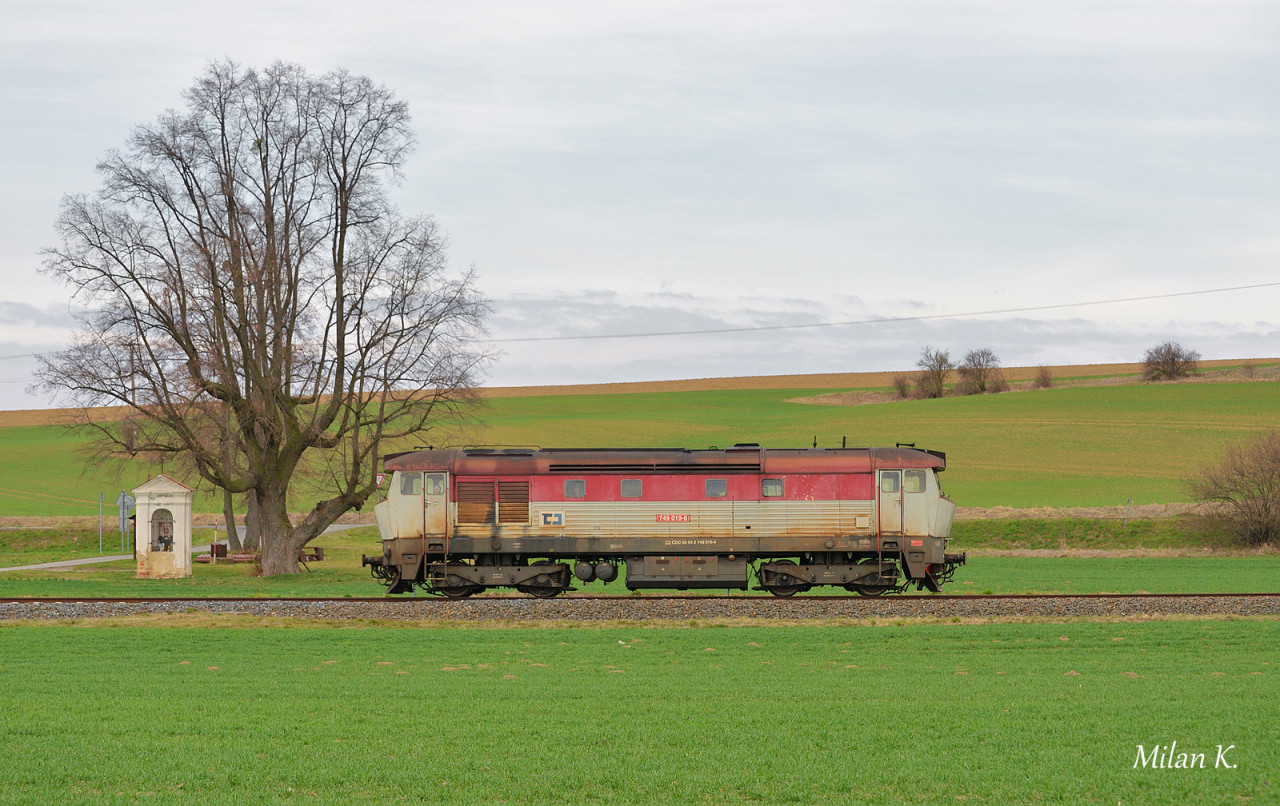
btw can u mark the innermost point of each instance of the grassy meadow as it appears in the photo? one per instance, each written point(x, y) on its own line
point(1071, 446)
point(914, 713)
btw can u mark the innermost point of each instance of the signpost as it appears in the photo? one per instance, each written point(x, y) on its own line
point(125, 503)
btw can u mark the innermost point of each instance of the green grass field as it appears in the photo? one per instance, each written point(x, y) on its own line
point(1082, 446)
point(1086, 446)
point(988, 713)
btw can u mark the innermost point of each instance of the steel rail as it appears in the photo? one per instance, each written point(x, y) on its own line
point(939, 597)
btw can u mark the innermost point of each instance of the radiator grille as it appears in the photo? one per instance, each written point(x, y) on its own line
point(475, 501)
point(513, 502)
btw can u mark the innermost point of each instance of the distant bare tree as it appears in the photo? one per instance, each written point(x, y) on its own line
point(902, 385)
point(1043, 378)
point(243, 268)
point(980, 373)
point(1168, 361)
point(934, 366)
point(1246, 482)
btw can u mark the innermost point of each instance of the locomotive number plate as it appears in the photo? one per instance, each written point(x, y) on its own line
point(673, 518)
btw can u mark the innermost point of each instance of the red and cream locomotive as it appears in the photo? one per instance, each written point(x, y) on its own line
point(869, 520)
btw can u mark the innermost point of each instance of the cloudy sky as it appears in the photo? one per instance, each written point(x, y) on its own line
point(655, 167)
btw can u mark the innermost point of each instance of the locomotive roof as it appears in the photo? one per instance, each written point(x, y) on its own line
point(738, 459)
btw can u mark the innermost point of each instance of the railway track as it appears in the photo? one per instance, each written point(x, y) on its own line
point(933, 597)
point(661, 608)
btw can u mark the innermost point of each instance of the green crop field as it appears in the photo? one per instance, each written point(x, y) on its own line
point(1081, 446)
point(1086, 446)
point(987, 713)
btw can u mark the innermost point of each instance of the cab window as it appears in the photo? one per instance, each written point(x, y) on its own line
point(889, 483)
point(771, 488)
point(435, 484)
point(411, 483)
point(913, 481)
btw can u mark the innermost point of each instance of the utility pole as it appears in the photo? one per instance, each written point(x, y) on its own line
point(99, 524)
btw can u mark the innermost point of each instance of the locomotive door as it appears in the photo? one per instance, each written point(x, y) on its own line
point(889, 501)
point(435, 512)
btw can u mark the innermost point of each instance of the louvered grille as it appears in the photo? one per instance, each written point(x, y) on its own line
point(513, 502)
point(475, 501)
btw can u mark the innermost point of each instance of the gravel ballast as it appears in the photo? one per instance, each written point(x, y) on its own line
point(702, 608)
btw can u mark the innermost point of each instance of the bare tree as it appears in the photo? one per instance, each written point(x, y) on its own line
point(278, 318)
point(1043, 378)
point(934, 366)
point(1168, 361)
point(980, 373)
point(1246, 483)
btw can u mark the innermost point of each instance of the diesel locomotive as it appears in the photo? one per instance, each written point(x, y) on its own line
point(459, 521)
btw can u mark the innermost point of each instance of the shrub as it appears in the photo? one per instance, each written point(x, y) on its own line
point(1246, 485)
point(1043, 378)
point(1168, 361)
point(902, 384)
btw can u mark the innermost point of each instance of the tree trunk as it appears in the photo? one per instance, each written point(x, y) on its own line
point(252, 522)
point(280, 541)
point(229, 512)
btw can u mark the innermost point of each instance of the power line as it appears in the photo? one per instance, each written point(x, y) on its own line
point(921, 318)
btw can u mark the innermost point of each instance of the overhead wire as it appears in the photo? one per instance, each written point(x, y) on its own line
point(879, 321)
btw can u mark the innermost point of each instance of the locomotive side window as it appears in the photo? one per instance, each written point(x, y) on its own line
point(889, 483)
point(716, 488)
point(632, 488)
point(771, 488)
point(411, 483)
point(914, 481)
point(575, 488)
point(435, 484)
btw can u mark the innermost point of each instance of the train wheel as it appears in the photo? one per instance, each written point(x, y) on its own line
point(544, 585)
point(780, 586)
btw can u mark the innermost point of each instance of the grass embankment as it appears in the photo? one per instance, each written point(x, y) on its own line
point(1085, 534)
point(32, 546)
point(1079, 446)
point(994, 713)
